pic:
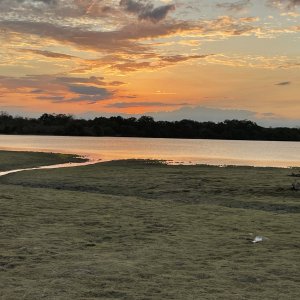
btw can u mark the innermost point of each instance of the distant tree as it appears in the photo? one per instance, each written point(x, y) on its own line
point(145, 126)
point(146, 120)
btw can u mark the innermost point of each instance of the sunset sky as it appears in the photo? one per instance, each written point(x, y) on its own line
point(173, 59)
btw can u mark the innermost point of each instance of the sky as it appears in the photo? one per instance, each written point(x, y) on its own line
point(172, 59)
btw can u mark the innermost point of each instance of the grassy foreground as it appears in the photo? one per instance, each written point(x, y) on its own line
point(144, 230)
point(10, 160)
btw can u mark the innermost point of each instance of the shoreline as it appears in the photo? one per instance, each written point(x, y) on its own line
point(86, 160)
point(91, 159)
point(48, 167)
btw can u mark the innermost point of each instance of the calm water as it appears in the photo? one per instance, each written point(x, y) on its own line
point(215, 152)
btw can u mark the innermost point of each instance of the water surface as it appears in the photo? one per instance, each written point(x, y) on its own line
point(214, 152)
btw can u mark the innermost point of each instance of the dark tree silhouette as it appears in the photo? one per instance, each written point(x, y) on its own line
point(145, 126)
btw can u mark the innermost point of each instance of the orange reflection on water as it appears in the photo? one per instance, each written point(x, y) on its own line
point(213, 152)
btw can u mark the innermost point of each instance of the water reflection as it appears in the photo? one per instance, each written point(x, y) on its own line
point(215, 152)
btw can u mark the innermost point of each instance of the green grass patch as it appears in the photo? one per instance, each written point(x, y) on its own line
point(10, 160)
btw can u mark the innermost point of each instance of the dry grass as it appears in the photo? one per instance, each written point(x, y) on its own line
point(142, 230)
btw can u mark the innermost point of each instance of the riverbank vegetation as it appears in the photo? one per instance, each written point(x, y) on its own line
point(144, 230)
point(52, 124)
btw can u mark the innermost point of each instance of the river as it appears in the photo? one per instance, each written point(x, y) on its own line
point(178, 151)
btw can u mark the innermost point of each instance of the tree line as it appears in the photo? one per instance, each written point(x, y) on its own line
point(145, 126)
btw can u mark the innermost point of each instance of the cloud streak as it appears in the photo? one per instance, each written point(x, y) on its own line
point(146, 10)
point(234, 6)
point(144, 104)
point(284, 83)
point(287, 4)
point(60, 89)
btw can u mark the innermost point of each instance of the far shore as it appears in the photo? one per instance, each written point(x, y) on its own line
point(145, 126)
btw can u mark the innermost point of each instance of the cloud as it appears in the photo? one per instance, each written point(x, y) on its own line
point(143, 104)
point(255, 61)
point(11, 5)
point(48, 80)
point(111, 41)
point(92, 80)
point(58, 9)
point(156, 63)
point(30, 1)
point(157, 14)
point(234, 7)
point(146, 11)
point(133, 39)
point(89, 90)
point(287, 4)
point(284, 83)
point(43, 1)
point(49, 54)
point(292, 14)
point(59, 89)
point(36, 91)
point(181, 58)
point(53, 99)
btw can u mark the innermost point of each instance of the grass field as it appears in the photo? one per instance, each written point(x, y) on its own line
point(145, 230)
point(10, 160)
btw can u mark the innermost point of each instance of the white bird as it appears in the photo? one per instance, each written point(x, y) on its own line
point(259, 239)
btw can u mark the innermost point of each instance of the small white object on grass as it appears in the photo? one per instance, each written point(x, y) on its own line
point(259, 239)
